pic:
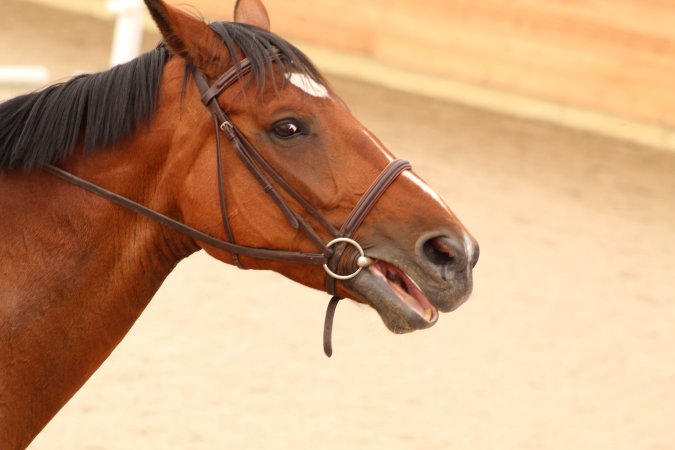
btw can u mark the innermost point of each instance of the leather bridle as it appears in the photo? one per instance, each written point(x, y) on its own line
point(329, 254)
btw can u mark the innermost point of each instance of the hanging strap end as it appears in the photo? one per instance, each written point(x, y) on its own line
point(328, 326)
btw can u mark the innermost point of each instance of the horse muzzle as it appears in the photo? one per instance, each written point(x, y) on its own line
point(410, 290)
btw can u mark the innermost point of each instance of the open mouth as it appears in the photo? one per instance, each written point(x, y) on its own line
point(405, 289)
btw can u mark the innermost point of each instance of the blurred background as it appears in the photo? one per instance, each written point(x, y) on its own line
point(547, 126)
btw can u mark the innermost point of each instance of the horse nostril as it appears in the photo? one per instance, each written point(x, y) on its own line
point(441, 251)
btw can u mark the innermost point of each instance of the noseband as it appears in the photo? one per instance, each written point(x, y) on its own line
point(329, 254)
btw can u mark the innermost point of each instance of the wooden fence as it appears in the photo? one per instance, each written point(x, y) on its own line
point(615, 57)
point(585, 59)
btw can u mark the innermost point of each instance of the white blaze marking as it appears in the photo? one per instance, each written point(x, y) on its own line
point(468, 247)
point(377, 144)
point(308, 85)
point(425, 187)
point(408, 174)
point(468, 243)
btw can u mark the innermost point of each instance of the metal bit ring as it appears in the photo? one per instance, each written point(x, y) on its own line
point(362, 261)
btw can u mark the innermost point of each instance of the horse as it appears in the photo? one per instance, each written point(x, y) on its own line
point(224, 138)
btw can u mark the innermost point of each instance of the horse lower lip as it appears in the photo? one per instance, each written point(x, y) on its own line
point(406, 290)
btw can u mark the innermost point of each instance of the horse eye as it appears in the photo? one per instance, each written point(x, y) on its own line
point(286, 129)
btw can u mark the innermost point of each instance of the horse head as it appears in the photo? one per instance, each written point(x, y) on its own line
point(419, 256)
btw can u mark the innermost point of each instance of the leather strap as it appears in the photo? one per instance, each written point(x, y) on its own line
point(232, 75)
point(261, 253)
point(361, 210)
point(372, 195)
point(222, 199)
point(328, 326)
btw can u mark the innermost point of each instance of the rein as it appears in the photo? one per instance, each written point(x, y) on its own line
point(329, 254)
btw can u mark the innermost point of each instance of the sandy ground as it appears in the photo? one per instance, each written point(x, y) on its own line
point(567, 343)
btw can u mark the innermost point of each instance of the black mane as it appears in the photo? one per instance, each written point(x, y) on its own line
point(43, 127)
point(103, 108)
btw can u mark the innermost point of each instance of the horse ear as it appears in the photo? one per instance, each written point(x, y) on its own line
point(185, 35)
point(252, 12)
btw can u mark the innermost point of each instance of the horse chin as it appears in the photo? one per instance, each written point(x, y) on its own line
point(402, 303)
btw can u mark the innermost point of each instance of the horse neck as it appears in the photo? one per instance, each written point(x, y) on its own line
point(77, 271)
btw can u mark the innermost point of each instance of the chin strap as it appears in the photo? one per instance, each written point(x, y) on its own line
point(328, 325)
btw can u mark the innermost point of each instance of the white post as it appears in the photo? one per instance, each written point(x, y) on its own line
point(128, 30)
